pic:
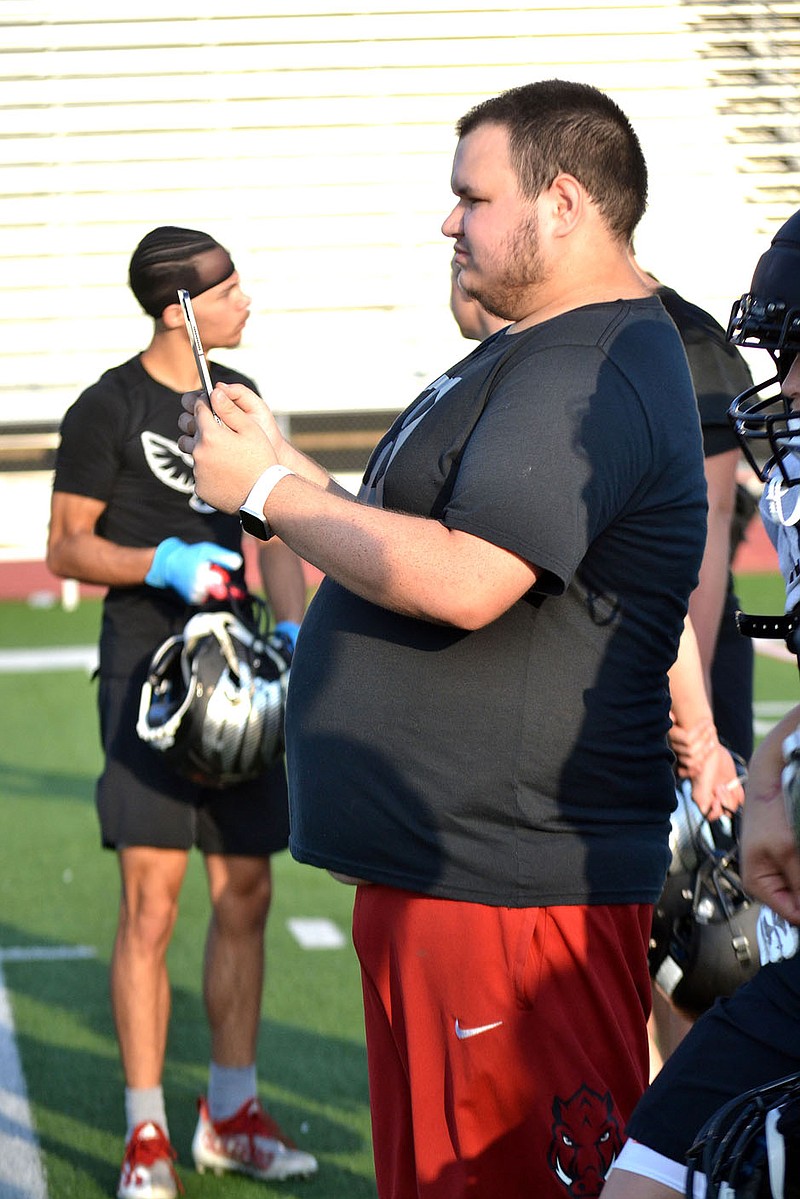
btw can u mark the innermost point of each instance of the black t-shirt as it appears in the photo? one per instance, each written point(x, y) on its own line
point(119, 446)
point(719, 372)
point(526, 762)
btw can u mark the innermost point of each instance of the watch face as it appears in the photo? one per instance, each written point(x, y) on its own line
point(254, 525)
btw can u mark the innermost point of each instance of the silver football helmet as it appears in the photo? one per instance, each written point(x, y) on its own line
point(213, 702)
point(703, 940)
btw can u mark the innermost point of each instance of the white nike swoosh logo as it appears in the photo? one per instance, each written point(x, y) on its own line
point(463, 1033)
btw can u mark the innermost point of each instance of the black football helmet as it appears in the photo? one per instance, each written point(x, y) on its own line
point(768, 318)
point(703, 940)
point(750, 1147)
point(213, 701)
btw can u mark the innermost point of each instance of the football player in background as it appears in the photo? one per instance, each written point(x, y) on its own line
point(125, 515)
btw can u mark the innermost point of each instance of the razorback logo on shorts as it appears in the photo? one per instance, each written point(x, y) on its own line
point(586, 1141)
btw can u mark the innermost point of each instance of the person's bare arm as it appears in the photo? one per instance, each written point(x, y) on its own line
point(708, 598)
point(283, 581)
point(693, 737)
point(74, 551)
point(408, 564)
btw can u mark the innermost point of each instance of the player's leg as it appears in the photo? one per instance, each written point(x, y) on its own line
point(240, 889)
point(140, 998)
point(146, 815)
point(150, 885)
point(238, 831)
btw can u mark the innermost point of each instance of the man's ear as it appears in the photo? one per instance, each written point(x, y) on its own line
point(172, 316)
point(565, 203)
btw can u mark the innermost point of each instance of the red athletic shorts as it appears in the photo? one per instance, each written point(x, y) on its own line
point(506, 1046)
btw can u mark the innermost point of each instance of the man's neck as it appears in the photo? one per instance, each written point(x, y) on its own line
point(609, 278)
point(169, 360)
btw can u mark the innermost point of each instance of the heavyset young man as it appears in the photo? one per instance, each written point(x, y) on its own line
point(477, 718)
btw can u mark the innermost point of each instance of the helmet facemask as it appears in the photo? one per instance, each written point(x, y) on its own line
point(768, 318)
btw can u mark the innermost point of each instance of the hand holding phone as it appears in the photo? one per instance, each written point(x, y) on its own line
point(197, 345)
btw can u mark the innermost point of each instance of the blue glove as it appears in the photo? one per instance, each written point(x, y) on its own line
point(189, 569)
point(287, 630)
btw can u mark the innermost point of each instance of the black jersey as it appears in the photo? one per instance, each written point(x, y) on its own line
point(119, 445)
point(719, 372)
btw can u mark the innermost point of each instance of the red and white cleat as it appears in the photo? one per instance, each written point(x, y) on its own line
point(249, 1142)
point(147, 1169)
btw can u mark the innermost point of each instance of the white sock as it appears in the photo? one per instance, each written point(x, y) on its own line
point(228, 1088)
point(143, 1104)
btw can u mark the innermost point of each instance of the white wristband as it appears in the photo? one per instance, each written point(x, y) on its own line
point(251, 512)
point(265, 483)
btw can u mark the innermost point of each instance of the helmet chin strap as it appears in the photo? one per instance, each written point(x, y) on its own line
point(773, 628)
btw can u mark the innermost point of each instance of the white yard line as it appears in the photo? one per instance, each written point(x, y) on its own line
point(21, 1171)
point(70, 657)
point(316, 932)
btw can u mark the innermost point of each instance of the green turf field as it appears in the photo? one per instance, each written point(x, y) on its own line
point(776, 684)
point(59, 889)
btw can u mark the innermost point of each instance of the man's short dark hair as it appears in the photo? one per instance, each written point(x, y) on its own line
point(555, 125)
point(170, 257)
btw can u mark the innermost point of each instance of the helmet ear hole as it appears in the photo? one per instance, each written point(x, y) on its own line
point(213, 701)
point(703, 941)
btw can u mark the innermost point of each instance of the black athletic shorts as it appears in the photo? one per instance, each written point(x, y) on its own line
point(141, 801)
point(742, 1042)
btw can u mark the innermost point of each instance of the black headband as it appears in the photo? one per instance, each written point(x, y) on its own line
point(169, 258)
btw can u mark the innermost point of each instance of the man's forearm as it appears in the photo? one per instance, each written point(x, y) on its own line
point(93, 559)
point(409, 564)
point(309, 470)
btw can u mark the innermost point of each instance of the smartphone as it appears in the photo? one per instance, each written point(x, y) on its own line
point(194, 338)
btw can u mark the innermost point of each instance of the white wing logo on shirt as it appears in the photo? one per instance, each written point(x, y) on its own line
point(172, 467)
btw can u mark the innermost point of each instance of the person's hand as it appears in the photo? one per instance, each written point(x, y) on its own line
point(286, 632)
point(246, 400)
point(189, 569)
point(693, 747)
point(770, 860)
point(717, 789)
point(230, 452)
